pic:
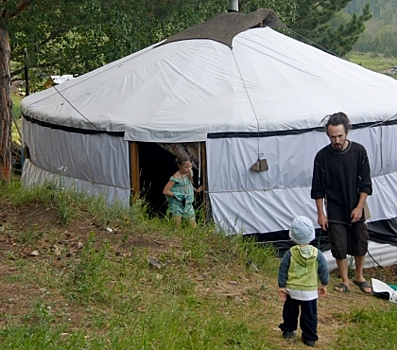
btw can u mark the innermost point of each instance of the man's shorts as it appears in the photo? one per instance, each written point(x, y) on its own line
point(348, 239)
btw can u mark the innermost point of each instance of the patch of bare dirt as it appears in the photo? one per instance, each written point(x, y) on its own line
point(387, 274)
point(35, 227)
point(34, 232)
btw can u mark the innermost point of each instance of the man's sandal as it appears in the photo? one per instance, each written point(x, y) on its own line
point(364, 285)
point(341, 287)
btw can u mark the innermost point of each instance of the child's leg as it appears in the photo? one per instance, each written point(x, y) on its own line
point(290, 315)
point(177, 220)
point(308, 319)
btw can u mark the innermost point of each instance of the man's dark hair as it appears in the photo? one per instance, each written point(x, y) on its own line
point(336, 119)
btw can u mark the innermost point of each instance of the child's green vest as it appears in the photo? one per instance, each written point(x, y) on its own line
point(303, 272)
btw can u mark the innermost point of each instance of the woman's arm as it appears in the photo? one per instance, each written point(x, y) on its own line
point(167, 189)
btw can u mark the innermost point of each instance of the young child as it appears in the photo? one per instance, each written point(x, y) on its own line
point(300, 271)
point(180, 192)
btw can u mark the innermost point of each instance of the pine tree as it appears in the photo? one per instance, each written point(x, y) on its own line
point(314, 25)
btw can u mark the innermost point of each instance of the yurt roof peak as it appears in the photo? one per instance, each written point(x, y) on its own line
point(225, 26)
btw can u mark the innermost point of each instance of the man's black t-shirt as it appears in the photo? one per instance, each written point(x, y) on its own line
point(339, 177)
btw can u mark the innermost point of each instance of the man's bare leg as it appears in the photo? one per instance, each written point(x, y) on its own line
point(343, 271)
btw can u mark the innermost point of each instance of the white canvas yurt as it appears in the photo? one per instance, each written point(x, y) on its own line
point(230, 91)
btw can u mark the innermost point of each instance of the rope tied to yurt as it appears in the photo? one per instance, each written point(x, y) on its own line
point(260, 164)
point(75, 108)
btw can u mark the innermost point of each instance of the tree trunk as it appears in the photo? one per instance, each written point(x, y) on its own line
point(5, 108)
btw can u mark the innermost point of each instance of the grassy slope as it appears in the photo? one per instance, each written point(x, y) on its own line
point(375, 62)
point(76, 275)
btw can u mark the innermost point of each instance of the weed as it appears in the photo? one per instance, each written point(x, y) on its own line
point(30, 236)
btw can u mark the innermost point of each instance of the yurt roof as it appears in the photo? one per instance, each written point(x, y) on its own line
point(255, 80)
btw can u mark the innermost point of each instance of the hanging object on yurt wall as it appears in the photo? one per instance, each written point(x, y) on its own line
point(260, 164)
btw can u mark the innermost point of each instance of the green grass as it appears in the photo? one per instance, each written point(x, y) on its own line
point(16, 111)
point(373, 61)
point(120, 301)
point(373, 330)
point(99, 290)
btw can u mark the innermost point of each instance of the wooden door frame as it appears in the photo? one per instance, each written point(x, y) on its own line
point(135, 174)
point(134, 171)
point(204, 179)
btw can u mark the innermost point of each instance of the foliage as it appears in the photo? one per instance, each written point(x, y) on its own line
point(74, 37)
point(386, 40)
point(379, 35)
point(384, 10)
point(314, 24)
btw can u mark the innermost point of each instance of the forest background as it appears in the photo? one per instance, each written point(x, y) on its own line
point(380, 35)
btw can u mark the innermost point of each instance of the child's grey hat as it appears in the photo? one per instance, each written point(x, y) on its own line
point(302, 230)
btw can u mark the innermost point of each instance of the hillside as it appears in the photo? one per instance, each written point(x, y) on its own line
point(76, 275)
point(380, 31)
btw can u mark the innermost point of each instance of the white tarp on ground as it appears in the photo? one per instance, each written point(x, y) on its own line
point(181, 91)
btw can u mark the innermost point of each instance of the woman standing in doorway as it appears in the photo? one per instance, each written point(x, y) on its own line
point(179, 191)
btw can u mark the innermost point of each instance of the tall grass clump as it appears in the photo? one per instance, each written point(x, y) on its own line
point(20, 195)
point(256, 256)
point(71, 204)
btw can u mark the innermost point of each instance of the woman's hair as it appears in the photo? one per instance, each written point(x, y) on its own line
point(336, 119)
point(180, 160)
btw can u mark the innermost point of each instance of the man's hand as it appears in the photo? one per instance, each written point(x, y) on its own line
point(322, 220)
point(356, 214)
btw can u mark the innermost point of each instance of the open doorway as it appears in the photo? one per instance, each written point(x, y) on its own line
point(156, 166)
